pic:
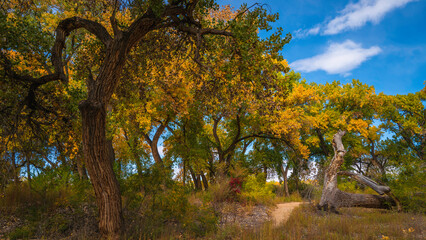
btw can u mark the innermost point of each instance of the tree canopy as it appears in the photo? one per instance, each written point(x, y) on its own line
point(112, 91)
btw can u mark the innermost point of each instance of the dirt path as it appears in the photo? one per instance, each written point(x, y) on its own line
point(283, 211)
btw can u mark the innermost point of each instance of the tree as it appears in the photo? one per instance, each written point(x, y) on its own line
point(102, 84)
point(112, 43)
point(333, 198)
point(405, 117)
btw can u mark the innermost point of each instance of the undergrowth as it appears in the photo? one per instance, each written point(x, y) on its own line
point(352, 223)
point(155, 207)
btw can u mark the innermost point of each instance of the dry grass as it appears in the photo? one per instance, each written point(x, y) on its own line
point(352, 223)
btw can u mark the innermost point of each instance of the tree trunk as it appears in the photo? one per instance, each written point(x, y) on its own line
point(99, 165)
point(205, 182)
point(374, 160)
point(333, 198)
point(184, 171)
point(28, 172)
point(195, 179)
point(153, 143)
point(265, 171)
point(285, 182)
point(82, 173)
point(16, 170)
point(296, 178)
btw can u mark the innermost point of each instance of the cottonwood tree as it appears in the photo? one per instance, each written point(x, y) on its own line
point(117, 37)
point(333, 198)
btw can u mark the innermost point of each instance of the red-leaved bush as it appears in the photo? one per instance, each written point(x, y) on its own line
point(235, 185)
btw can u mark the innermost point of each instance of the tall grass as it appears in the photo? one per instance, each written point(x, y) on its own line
point(352, 223)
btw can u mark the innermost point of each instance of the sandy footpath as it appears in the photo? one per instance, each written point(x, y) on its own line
point(283, 211)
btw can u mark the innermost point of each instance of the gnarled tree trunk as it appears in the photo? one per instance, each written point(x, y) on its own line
point(333, 198)
point(99, 165)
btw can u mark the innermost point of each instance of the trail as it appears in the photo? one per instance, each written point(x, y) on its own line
point(283, 211)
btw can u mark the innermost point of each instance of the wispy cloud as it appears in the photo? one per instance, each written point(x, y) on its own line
point(355, 15)
point(302, 33)
point(339, 58)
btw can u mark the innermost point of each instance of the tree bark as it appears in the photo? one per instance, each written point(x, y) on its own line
point(333, 198)
point(184, 171)
point(195, 179)
point(153, 143)
point(285, 182)
point(265, 171)
point(99, 165)
point(205, 182)
point(82, 173)
point(16, 170)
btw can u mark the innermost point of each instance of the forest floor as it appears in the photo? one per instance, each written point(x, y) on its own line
point(255, 216)
point(283, 211)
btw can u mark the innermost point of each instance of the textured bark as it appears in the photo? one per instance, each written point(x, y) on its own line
point(99, 165)
point(184, 172)
point(333, 198)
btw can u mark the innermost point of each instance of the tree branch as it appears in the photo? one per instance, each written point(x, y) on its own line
point(216, 137)
point(366, 181)
point(64, 28)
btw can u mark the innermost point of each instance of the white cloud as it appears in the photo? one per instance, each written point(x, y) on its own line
point(339, 58)
point(358, 14)
point(355, 15)
point(304, 33)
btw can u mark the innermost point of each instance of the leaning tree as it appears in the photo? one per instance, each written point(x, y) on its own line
point(333, 198)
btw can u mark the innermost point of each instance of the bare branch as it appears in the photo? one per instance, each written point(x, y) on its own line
point(366, 181)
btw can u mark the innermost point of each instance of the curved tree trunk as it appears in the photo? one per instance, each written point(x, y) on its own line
point(99, 165)
point(333, 198)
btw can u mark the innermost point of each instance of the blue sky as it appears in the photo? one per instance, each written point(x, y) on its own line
point(380, 42)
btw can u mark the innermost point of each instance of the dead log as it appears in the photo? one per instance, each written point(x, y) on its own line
point(333, 198)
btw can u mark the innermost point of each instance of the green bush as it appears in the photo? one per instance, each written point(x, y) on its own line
point(409, 188)
point(157, 206)
point(24, 232)
point(256, 190)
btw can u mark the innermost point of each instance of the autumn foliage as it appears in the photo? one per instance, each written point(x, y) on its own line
point(152, 124)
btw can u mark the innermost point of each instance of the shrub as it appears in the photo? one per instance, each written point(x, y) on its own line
point(164, 210)
point(409, 188)
point(223, 190)
point(235, 185)
point(24, 232)
point(256, 190)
